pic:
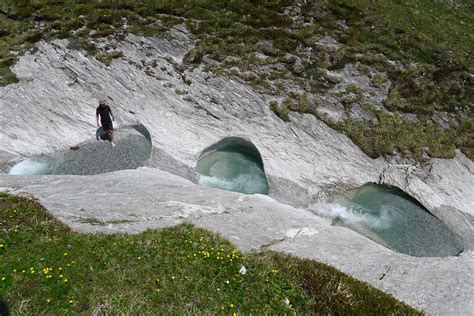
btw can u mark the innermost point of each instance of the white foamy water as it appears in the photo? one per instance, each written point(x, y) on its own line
point(244, 183)
point(232, 171)
point(30, 167)
point(354, 214)
point(390, 217)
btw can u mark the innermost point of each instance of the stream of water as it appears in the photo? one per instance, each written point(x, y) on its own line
point(232, 171)
point(392, 218)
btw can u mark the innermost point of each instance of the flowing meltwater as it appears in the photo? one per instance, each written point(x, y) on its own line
point(233, 166)
point(33, 166)
point(391, 217)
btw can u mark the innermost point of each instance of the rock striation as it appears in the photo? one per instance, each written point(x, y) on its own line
point(186, 110)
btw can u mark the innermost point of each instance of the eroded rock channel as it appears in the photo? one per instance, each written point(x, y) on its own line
point(391, 217)
point(233, 164)
point(93, 157)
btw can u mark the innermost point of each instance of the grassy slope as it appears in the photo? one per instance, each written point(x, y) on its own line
point(47, 269)
point(431, 42)
point(438, 38)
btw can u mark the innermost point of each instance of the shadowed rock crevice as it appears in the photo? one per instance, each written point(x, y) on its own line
point(289, 192)
point(233, 164)
point(163, 160)
point(93, 157)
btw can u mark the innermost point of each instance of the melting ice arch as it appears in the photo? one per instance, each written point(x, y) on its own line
point(233, 164)
point(393, 218)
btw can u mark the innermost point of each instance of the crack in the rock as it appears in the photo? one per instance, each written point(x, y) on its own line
point(386, 273)
point(272, 243)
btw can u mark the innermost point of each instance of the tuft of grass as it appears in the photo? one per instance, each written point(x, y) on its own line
point(378, 79)
point(107, 57)
point(7, 76)
point(394, 135)
point(45, 268)
point(294, 102)
point(281, 111)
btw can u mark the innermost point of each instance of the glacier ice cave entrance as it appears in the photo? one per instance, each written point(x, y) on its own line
point(133, 149)
point(233, 164)
point(393, 218)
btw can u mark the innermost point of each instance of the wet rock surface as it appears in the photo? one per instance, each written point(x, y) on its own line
point(394, 219)
point(132, 150)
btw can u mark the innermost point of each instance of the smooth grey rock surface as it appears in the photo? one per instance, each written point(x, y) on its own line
point(135, 200)
point(185, 111)
point(305, 152)
point(350, 79)
point(444, 187)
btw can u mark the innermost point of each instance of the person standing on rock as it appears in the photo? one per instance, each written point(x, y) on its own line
point(106, 117)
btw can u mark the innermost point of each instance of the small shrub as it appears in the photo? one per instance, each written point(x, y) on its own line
point(353, 89)
point(33, 37)
point(7, 76)
point(378, 79)
point(281, 111)
point(107, 57)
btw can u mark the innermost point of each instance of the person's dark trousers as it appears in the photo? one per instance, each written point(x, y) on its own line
point(3, 308)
